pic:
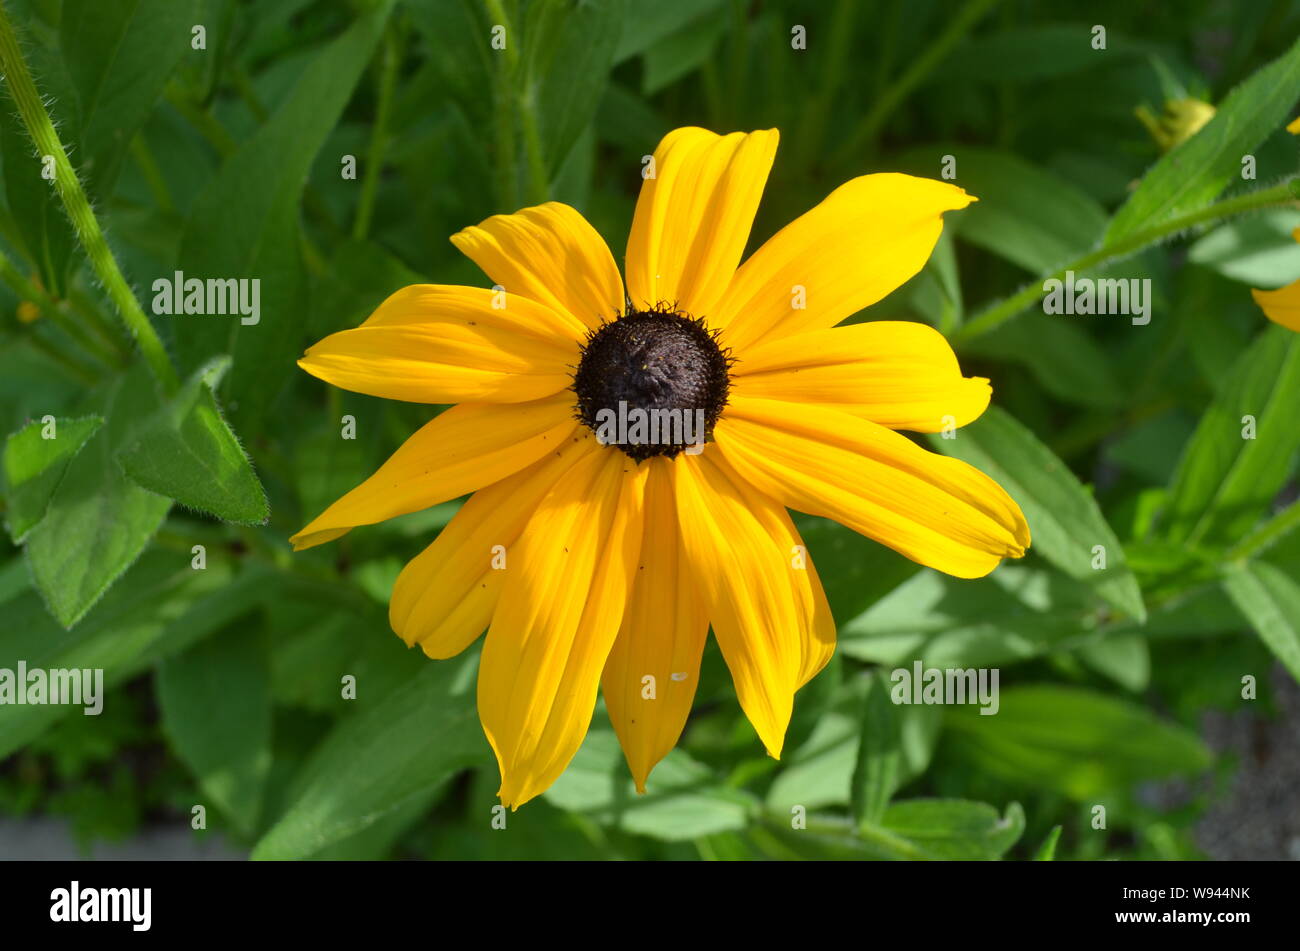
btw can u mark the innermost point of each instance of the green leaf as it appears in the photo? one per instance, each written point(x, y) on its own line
point(1077, 742)
point(1192, 175)
point(1064, 520)
point(34, 465)
point(647, 24)
point(161, 601)
point(1225, 482)
point(119, 54)
point(1047, 851)
point(229, 753)
point(1034, 53)
point(1017, 613)
point(878, 771)
point(1024, 214)
point(682, 800)
point(955, 828)
point(1270, 599)
point(244, 225)
point(568, 50)
point(680, 54)
point(1064, 359)
point(391, 751)
point(188, 452)
point(97, 522)
point(1258, 250)
point(1124, 658)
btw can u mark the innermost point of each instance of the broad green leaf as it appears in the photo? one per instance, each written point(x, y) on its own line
point(34, 465)
point(568, 50)
point(820, 771)
point(1068, 528)
point(393, 750)
point(187, 452)
point(161, 600)
point(1017, 613)
point(1124, 658)
point(647, 24)
point(1074, 741)
point(680, 54)
point(682, 799)
point(880, 755)
point(1192, 174)
point(1258, 250)
point(1047, 851)
point(1270, 600)
point(98, 521)
point(119, 54)
point(1022, 54)
point(1063, 357)
point(216, 709)
point(956, 829)
point(855, 571)
point(1024, 214)
point(1228, 476)
point(244, 225)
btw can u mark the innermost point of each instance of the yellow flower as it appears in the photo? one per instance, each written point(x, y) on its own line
point(1182, 119)
point(1294, 126)
point(1282, 306)
point(604, 559)
point(28, 312)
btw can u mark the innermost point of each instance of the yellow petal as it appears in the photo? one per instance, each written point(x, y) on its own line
point(1294, 126)
point(1281, 306)
point(551, 255)
point(899, 374)
point(693, 217)
point(556, 621)
point(758, 600)
point(935, 510)
point(662, 638)
point(867, 238)
point(432, 343)
point(445, 596)
point(465, 448)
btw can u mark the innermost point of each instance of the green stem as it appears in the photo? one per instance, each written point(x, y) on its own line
point(389, 59)
point(1264, 536)
point(153, 176)
point(84, 223)
point(921, 67)
point(1000, 313)
point(515, 98)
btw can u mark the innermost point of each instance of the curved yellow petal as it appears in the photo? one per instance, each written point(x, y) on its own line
point(1281, 306)
point(557, 619)
point(867, 238)
point(937, 511)
point(767, 611)
point(551, 255)
point(431, 343)
point(661, 638)
point(465, 448)
point(899, 374)
point(445, 596)
point(693, 217)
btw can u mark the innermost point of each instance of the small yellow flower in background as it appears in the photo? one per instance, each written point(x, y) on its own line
point(28, 312)
point(1294, 126)
point(1283, 305)
point(595, 554)
point(1181, 120)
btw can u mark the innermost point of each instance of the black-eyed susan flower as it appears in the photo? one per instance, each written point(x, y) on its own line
point(1282, 306)
point(632, 449)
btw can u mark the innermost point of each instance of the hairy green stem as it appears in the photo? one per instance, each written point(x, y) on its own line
point(84, 223)
point(390, 57)
point(1000, 313)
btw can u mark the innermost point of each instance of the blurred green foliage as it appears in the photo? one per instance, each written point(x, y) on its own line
point(229, 159)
